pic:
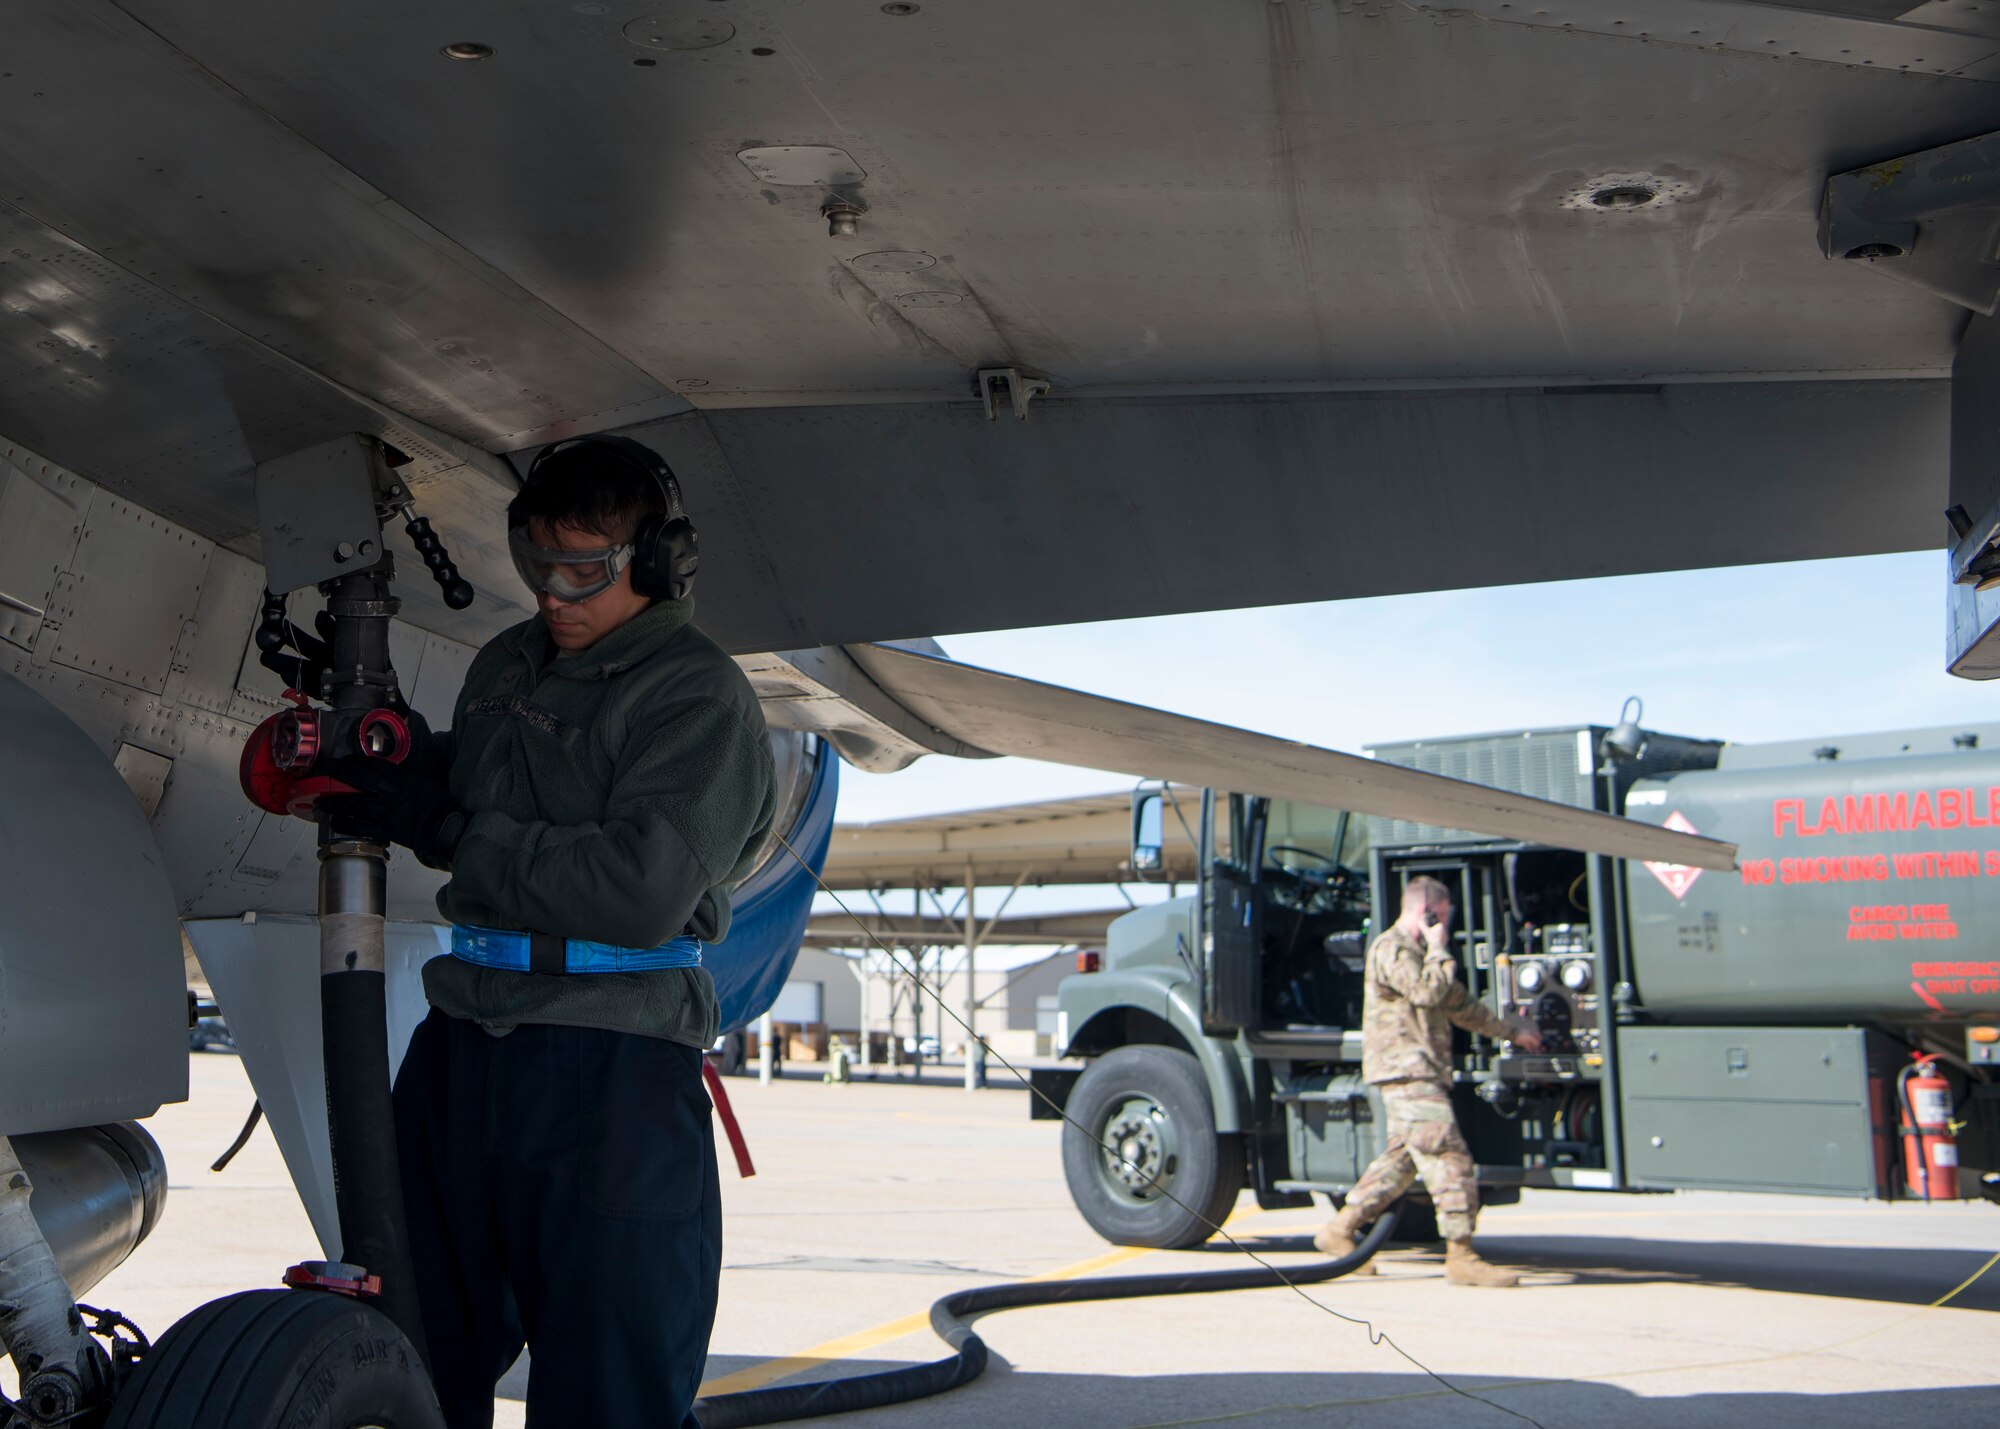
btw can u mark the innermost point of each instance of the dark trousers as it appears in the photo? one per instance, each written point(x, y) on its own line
point(562, 1193)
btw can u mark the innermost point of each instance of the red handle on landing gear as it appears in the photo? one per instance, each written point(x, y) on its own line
point(728, 1115)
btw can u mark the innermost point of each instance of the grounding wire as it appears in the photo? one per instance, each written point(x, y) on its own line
point(1575, 1382)
point(1376, 1337)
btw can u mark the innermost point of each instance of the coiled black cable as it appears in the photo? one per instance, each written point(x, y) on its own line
point(951, 1318)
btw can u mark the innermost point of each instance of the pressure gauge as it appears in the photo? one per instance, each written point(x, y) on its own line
point(1576, 975)
point(1530, 978)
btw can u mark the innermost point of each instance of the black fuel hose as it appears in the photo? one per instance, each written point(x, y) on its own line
point(361, 1128)
point(951, 1319)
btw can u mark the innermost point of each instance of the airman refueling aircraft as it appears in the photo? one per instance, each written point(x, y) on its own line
point(948, 317)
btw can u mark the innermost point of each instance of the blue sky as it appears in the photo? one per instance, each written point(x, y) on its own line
point(1748, 653)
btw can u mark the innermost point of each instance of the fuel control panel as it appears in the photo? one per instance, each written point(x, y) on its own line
point(1552, 983)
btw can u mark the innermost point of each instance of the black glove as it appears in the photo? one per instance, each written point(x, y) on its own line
point(397, 803)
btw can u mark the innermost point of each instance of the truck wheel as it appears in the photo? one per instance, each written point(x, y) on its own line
point(268, 1358)
point(732, 1055)
point(1149, 1105)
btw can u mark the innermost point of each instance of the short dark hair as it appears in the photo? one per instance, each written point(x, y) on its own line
point(586, 488)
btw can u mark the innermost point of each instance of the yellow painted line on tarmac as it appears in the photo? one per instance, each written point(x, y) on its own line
point(756, 1376)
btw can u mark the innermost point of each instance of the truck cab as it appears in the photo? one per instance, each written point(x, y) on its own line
point(1221, 1034)
point(1222, 1024)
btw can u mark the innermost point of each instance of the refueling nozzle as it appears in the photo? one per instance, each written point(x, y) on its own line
point(281, 759)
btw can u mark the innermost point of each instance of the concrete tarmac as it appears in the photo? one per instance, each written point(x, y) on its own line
point(872, 1200)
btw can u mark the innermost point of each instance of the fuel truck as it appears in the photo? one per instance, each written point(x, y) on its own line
point(1824, 1020)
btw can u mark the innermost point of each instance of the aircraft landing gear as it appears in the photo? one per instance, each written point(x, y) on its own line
point(267, 1358)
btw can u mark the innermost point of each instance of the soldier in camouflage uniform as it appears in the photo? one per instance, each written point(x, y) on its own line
point(1413, 998)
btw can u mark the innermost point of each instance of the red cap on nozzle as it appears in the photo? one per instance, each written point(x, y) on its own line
point(269, 785)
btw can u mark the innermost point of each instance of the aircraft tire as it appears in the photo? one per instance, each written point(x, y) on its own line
point(1154, 1101)
point(267, 1358)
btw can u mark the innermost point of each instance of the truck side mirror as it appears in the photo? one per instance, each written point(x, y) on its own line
point(1149, 832)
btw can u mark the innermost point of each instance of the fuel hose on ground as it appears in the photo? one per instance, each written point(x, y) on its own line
point(951, 1318)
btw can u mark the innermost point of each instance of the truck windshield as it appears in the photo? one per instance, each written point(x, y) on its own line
point(1331, 835)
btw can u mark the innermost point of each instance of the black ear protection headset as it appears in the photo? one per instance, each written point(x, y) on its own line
point(665, 549)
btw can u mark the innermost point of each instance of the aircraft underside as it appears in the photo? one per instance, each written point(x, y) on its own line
point(1551, 278)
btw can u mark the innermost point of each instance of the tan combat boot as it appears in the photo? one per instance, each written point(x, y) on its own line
point(1336, 1238)
point(1462, 1266)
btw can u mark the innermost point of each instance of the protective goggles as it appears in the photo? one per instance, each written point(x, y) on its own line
point(568, 576)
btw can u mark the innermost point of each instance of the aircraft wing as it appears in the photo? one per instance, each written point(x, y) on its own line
point(1286, 271)
point(1005, 714)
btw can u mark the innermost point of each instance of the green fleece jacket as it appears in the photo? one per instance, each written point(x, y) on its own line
point(615, 795)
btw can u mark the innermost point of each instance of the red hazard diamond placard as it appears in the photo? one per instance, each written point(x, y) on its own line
point(1677, 877)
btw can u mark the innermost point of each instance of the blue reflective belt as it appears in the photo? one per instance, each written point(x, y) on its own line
point(515, 952)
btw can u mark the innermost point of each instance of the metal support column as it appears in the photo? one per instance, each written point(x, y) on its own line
point(859, 967)
point(917, 1008)
point(975, 1050)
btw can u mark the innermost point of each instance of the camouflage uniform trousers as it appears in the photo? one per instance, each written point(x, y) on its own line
point(1424, 1141)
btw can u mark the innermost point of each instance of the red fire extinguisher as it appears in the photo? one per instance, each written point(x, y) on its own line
point(1930, 1151)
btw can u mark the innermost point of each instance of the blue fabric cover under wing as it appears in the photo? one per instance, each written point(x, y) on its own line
point(768, 912)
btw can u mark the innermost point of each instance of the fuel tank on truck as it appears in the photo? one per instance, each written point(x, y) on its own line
point(1867, 889)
